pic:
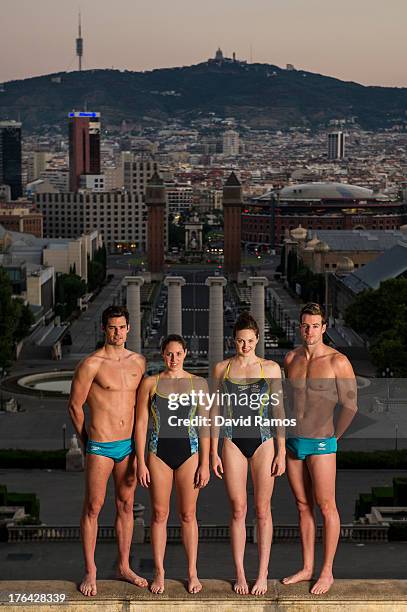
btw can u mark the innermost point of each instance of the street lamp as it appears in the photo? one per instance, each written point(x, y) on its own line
point(388, 374)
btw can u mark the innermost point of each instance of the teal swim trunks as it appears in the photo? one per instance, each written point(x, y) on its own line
point(117, 450)
point(303, 447)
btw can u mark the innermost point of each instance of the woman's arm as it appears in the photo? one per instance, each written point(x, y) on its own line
point(217, 376)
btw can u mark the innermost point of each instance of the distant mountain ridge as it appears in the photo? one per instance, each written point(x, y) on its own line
point(263, 95)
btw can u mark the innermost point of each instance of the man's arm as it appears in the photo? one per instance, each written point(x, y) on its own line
point(81, 384)
point(347, 393)
point(142, 413)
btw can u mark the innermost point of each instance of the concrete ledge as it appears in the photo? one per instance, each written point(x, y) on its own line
point(115, 596)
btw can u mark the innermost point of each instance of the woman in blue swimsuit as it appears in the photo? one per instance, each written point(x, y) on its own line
point(253, 387)
point(176, 453)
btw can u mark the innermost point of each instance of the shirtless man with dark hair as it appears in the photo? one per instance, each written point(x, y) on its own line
point(107, 381)
point(319, 378)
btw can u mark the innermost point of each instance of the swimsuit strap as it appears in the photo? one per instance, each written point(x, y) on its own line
point(226, 374)
point(156, 384)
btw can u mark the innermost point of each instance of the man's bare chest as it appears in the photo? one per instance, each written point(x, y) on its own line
point(118, 377)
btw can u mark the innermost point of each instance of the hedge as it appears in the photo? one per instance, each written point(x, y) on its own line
point(32, 459)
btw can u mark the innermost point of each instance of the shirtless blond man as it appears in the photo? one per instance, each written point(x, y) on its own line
point(107, 381)
point(319, 378)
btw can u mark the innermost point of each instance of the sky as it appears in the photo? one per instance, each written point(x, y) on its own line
point(353, 40)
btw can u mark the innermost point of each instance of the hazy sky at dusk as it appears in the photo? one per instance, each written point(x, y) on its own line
point(355, 40)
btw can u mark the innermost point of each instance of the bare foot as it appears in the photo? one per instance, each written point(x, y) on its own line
point(259, 587)
point(88, 585)
point(303, 574)
point(240, 587)
point(157, 586)
point(322, 585)
point(194, 586)
point(128, 575)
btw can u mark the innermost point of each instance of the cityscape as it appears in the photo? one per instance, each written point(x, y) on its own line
point(190, 216)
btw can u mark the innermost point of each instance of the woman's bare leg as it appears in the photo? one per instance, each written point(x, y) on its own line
point(187, 495)
point(235, 474)
point(160, 492)
point(263, 483)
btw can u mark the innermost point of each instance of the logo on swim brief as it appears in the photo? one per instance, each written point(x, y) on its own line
point(322, 444)
point(95, 448)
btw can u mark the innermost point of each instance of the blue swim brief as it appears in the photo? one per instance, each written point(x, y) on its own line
point(117, 450)
point(303, 447)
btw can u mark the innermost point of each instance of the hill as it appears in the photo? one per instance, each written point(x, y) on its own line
point(261, 94)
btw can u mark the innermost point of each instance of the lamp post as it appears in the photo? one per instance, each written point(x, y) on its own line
point(388, 373)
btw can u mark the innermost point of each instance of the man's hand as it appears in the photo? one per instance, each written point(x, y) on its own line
point(143, 475)
point(278, 464)
point(217, 466)
point(202, 476)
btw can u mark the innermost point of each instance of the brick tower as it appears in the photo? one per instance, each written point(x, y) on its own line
point(156, 202)
point(232, 207)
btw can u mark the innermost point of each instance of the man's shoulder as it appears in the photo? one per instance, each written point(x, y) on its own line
point(138, 357)
point(291, 355)
point(93, 360)
point(339, 360)
point(89, 364)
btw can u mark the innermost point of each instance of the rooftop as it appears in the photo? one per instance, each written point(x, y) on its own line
point(324, 191)
point(360, 240)
point(391, 264)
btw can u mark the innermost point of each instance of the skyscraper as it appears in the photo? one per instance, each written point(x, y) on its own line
point(336, 145)
point(84, 146)
point(230, 143)
point(10, 157)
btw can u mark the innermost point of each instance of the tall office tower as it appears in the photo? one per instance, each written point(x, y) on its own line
point(336, 145)
point(232, 226)
point(84, 146)
point(10, 157)
point(230, 143)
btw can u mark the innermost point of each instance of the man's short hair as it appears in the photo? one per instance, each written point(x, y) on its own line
point(114, 311)
point(313, 308)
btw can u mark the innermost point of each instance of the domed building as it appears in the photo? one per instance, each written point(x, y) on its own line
point(318, 206)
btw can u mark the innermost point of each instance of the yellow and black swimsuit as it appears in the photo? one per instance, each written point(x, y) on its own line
point(173, 445)
point(241, 405)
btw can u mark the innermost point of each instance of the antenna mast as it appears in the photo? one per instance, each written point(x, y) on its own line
point(79, 44)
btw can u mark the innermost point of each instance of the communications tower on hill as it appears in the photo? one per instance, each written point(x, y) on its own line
point(79, 44)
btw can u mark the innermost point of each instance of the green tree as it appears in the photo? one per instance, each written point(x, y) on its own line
point(68, 288)
point(7, 320)
point(25, 320)
point(381, 316)
point(15, 320)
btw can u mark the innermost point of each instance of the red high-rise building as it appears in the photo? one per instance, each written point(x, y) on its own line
point(84, 146)
point(232, 225)
point(156, 202)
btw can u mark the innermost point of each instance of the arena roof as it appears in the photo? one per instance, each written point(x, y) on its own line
point(324, 191)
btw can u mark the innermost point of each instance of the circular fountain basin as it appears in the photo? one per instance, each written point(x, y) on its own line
point(51, 382)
